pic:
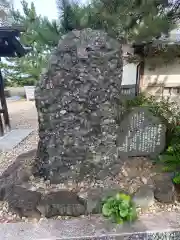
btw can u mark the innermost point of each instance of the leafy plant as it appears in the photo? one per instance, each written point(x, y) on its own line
point(171, 157)
point(41, 35)
point(176, 178)
point(119, 208)
point(168, 111)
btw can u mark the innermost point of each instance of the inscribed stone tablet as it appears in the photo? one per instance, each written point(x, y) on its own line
point(141, 134)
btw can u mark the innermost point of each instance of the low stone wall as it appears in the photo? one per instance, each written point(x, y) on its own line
point(157, 226)
point(15, 91)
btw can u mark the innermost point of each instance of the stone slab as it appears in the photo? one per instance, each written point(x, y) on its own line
point(13, 138)
point(166, 224)
point(141, 134)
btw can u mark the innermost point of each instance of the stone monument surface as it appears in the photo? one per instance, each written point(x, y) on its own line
point(141, 134)
point(74, 99)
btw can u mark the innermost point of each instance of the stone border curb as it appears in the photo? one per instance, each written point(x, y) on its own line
point(96, 228)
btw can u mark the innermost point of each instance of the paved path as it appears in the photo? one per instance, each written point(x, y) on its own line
point(22, 114)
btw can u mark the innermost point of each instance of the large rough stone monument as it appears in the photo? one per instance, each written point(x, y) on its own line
point(75, 99)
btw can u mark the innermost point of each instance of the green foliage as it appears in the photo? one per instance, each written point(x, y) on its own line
point(119, 209)
point(162, 54)
point(168, 111)
point(176, 179)
point(129, 20)
point(132, 20)
point(39, 30)
point(72, 15)
point(171, 157)
point(41, 35)
point(68, 16)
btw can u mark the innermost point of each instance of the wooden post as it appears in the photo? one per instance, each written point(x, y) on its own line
point(1, 127)
point(4, 104)
point(10, 47)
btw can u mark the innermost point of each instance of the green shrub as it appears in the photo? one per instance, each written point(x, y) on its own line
point(169, 113)
point(171, 157)
point(176, 178)
point(119, 208)
point(166, 110)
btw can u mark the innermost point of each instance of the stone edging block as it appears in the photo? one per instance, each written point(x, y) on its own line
point(95, 228)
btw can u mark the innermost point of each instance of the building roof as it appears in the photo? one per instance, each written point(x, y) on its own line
point(173, 38)
point(10, 45)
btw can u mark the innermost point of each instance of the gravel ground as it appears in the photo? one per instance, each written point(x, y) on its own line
point(134, 173)
point(22, 115)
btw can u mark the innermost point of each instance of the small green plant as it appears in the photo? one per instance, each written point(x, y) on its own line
point(176, 178)
point(171, 157)
point(119, 208)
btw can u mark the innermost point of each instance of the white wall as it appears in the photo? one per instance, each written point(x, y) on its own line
point(129, 74)
point(162, 81)
point(168, 75)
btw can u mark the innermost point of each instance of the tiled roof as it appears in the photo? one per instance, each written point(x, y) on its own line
point(174, 37)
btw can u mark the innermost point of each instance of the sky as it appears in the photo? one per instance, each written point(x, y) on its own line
point(43, 7)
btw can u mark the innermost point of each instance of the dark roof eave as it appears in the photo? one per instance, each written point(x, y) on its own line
point(14, 47)
point(20, 51)
point(155, 42)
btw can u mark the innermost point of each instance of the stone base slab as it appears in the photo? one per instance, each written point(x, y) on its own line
point(13, 138)
point(160, 226)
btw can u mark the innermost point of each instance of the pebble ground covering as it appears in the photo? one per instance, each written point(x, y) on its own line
point(132, 175)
